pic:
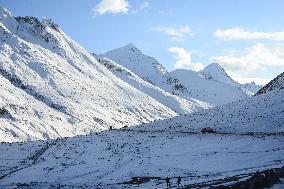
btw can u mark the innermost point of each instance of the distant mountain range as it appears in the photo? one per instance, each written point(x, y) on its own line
point(52, 87)
point(212, 84)
point(141, 123)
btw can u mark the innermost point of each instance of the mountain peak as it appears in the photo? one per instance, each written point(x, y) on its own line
point(131, 47)
point(214, 67)
point(215, 72)
point(5, 12)
point(49, 22)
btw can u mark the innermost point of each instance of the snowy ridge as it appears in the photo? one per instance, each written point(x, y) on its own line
point(146, 67)
point(179, 105)
point(215, 72)
point(257, 114)
point(210, 91)
point(212, 85)
point(39, 59)
point(275, 84)
point(251, 87)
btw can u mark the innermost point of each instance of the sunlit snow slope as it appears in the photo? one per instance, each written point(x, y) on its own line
point(176, 103)
point(212, 85)
point(52, 76)
point(209, 90)
point(257, 114)
point(143, 156)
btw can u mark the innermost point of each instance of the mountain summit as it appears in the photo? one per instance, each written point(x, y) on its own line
point(132, 58)
point(146, 67)
point(131, 47)
point(212, 84)
point(215, 72)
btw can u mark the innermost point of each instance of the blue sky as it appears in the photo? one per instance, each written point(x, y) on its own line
point(245, 37)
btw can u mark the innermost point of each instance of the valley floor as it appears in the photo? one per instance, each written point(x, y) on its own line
point(138, 159)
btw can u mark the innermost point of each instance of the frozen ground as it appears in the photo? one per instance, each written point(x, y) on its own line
point(111, 159)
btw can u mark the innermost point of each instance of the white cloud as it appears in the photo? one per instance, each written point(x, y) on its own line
point(183, 59)
point(143, 6)
point(240, 33)
point(111, 6)
point(258, 57)
point(175, 34)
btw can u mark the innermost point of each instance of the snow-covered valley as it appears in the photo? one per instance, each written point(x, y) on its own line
point(74, 119)
point(138, 159)
point(241, 145)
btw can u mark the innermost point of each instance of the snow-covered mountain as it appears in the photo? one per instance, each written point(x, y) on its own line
point(212, 84)
point(215, 72)
point(208, 89)
point(24, 118)
point(257, 114)
point(275, 84)
point(143, 156)
point(51, 86)
point(146, 67)
point(251, 87)
point(178, 104)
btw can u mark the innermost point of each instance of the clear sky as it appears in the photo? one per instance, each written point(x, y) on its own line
point(245, 36)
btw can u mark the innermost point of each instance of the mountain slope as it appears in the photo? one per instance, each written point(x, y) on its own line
point(24, 118)
point(150, 70)
point(208, 90)
point(146, 67)
point(143, 156)
point(179, 105)
point(257, 114)
point(251, 87)
point(39, 59)
point(275, 84)
point(215, 72)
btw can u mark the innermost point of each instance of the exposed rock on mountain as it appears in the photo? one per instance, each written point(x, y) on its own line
point(275, 84)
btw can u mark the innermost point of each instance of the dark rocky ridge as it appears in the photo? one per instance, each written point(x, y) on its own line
point(275, 84)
